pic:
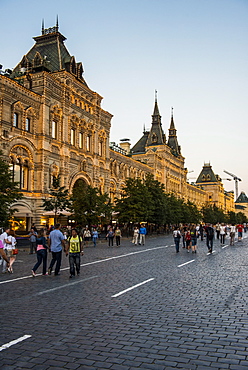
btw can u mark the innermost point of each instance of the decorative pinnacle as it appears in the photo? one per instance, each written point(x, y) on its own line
point(57, 23)
point(156, 96)
point(42, 27)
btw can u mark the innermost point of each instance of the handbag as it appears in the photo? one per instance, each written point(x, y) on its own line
point(15, 251)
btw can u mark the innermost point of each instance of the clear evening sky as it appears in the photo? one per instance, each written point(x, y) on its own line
point(193, 52)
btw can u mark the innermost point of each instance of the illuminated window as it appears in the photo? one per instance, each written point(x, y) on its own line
point(100, 148)
point(54, 129)
point(88, 143)
point(72, 136)
point(16, 120)
point(80, 140)
point(28, 124)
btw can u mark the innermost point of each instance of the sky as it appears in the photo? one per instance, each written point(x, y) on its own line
point(193, 52)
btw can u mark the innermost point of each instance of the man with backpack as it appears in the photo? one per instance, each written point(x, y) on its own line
point(210, 237)
point(75, 249)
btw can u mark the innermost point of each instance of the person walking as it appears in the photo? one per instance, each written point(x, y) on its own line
point(5, 241)
point(240, 232)
point(210, 237)
point(86, 236)
point(188, 239)
point(56, 242)
point(194, 234)
point(177, 237)
point(94, 236)
point(142, 234)
point(217, 228)
point(222, 233)
point(10, 250)
point(201, 230)
point(32, 238)
point(3, 254)
point(41, 253)
point(110, 235)
point(135, 235)
point(118, 236)
point(75, 249)
point(232, 234)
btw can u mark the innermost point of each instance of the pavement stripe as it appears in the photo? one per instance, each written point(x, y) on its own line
point(131, 288)
point(65, 285)
point(186, 263)
point(7, 345)
point(225, 246)
point(89, 263)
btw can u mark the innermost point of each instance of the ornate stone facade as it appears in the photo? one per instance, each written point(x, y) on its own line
point(52, 124)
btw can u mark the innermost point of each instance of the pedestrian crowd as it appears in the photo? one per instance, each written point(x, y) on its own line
point(189, 235)
point(73, 243)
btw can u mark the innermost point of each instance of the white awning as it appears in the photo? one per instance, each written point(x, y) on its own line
point(51, 213)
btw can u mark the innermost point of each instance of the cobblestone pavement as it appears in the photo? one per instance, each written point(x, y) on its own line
point(178, 315)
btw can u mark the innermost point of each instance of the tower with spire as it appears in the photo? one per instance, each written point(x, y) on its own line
point(172, 139)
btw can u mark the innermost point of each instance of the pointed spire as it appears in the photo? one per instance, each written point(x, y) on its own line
point(156, 110)
point(172, 139)
point(57, 23)
point(42, 27)
point(172, 125)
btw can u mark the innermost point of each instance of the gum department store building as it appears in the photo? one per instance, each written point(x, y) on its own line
point(52, 124)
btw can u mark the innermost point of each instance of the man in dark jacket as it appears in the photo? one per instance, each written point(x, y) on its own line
point(210, 237)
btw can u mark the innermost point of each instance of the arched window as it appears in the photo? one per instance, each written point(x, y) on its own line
point(20, 173)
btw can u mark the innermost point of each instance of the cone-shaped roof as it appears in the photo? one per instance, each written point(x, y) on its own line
point(172, 139)
point(242, 198)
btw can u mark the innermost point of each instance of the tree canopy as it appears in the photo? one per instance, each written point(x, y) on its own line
point(9, 193)
point(58, 200)
point(89, 205)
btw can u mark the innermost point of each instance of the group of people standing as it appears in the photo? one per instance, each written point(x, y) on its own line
point(56, 243)
point(190, 234)
point(7, 250)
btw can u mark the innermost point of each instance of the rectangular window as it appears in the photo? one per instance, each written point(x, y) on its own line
point(72, 136)
point(100, 148)
point(88, 143)
point(80, 140)
point(27, 124)
point(54, 129)
point(16, 119)
point(25, 178)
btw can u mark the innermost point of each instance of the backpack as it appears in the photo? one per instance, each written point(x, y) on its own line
point(210, 231)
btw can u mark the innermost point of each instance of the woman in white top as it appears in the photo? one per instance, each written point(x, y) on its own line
point(12, 257)
point(222, 233)
point(135, 235)
point(232, 234)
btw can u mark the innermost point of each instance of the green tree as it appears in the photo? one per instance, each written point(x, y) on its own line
point(58, 200)
point(89, 205)
point(213, 214)
point(9, 193)
point(136, 205)
point(158, 200)
point(190, 213)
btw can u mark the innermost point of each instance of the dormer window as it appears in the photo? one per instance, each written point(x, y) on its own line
point(154, 138)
